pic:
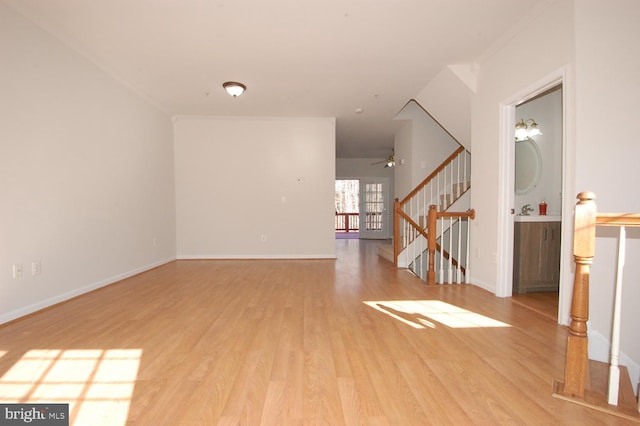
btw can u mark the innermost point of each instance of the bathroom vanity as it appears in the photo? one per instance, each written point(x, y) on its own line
point(536, 257)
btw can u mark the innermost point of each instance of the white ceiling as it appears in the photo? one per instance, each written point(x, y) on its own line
point(297, 57)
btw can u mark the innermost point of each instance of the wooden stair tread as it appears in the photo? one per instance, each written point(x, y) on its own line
point(385, 251)
point(599, 380)
point(595, 396)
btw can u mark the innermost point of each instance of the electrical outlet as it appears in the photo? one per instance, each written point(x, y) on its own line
point(263, 238)
point(36, 268)
point(17, 270)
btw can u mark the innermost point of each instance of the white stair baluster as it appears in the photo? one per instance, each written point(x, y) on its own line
point(450, 275)
point(451, 185)
point(466, 269)
point(438, 193)
point(430, 196)
point(614, 369)
point(457, 192)
point(459, 268)
point(412, 241)
point(464, 180)
point(441, 234)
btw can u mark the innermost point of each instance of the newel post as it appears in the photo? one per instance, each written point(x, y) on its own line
point(431, 243)
point(584, 238)
point(396, 232)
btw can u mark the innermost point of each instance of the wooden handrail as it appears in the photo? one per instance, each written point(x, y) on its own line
point(471, 214)
point(584, 238)
point(438, 185)
point(432, 175)
point(432, 244)
point(413, 223)
point(618, 219)
point(400, 213)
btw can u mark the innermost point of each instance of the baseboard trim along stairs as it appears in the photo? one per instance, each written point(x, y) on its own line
point(595, 396)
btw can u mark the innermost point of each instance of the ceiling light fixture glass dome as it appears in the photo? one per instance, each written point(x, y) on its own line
point(234, 89)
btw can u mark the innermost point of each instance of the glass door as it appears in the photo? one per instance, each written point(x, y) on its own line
point(373, 208)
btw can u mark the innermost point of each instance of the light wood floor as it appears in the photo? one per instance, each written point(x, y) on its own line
point(544, 303)
point(290, 342)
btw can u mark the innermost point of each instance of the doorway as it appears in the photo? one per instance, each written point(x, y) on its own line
point(538, 201)
point(361, 207)
point(347, 204)
point(507, 194)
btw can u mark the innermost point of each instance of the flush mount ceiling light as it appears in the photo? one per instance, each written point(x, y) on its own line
point(524, 130)
point(234, 89)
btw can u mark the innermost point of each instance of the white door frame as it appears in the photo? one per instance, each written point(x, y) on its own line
point(506, 196)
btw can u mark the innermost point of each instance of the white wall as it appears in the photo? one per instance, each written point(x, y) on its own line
point(591, 41)
point(544, 46)
point(403, 145)
point(238, 179)
point(86, 174)
point(454, 114)
point(423, 146)
point(607, 93)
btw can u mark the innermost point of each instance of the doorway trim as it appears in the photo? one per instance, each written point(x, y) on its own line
point(506, 196)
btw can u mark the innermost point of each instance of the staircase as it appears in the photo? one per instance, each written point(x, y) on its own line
point(385, 251)
point(614, 393)
point(596, 392)
point(430, 239)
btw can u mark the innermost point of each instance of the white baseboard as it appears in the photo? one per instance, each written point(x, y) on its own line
point(26, 310)
point(484, 286)
point(600, 349)
point(253, 256)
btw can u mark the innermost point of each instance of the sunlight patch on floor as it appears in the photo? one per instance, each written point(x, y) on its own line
point(98, 384)
point(423, 313)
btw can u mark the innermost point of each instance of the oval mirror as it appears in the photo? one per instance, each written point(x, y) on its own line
point(528, 166)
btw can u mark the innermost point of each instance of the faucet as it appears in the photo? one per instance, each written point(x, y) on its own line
point(525, 210)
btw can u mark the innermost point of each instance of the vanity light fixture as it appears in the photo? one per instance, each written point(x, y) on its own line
point(526, 129)
point(234, 89)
